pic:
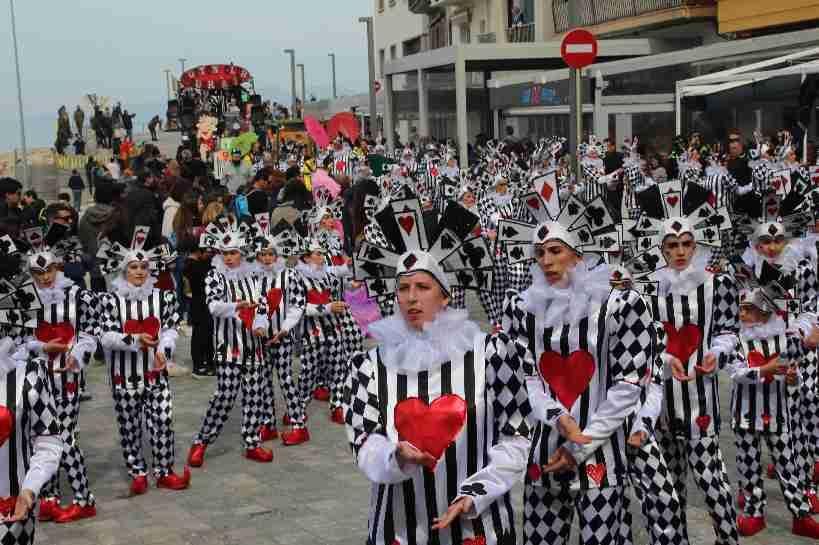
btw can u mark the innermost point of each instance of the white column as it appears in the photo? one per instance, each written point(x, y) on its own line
point(601, 117)
point(423, 104)
point(460, 108)
point(496, 134)
point(389, 120)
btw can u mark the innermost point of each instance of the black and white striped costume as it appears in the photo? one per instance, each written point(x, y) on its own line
point(31, 452)
point(140, 391)
point(760, 412)
point(587, 351)
point(464, 385)
point(67, 305)
point(284, 292)
point(699, 314)
point(238, 352)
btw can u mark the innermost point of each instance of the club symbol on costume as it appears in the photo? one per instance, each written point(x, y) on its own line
point(573, 209)
point(432, 427)
point(583, 236)
point(597, 215)
point(476, 489)
point(509, 231)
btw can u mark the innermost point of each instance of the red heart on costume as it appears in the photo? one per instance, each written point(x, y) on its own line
point(534, 472)
point(315, 332)
point(119, 380)
point(246, 315)
point(340, 166)
point(71, 387)
point(772, 210)
point(777, 183)
point(533, 203)
point(6, 424)
point(703, 422)
point(682, 342)
point(477, 230)
point(433, 172)
point(407, 223)
point(568, 377)
point(430, 428)
point(757, 359)
point(596, 472)
point(672, 200)
point(140, 238)
point(61, 331)
point(7, 506)
point(766, 419)
point(274, 297)
point(138, 327)
point(152, 376)
point(337, 260)
point(316, 297)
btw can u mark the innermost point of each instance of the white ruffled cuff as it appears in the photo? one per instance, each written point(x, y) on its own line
point(377, 460)
point(119, 341)
point(220, 309)
point(167, 342)
point(83, 349)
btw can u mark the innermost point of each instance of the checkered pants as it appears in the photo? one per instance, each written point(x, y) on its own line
point(803, 407)
point(704, 458)
point(749, 467)
point(487, 302)
point(658, 498)
point(322, 358)
point(18, 533)
point(230, 378)
point(268, 397)
point(72, 460)
point(548, 514)
point(280, 356)
point(154, 404)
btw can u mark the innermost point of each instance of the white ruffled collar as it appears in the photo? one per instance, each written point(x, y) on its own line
point(787, 261)
point(10, 356)
point(672, 282)
point(261, 271)
point(772, 328)
point(128, 291)
point(244, 270)
point(447, 337)
point(56, 293)
point(571, 304)
point(313, 272)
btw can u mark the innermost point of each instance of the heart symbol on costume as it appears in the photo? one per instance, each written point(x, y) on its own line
point(546, 192)
point(682, 342)
point(274, 297)
point(138, 327)
point(772, 210)
point(140, 238)
point(766, 419)
point(757, 359)
point(477, 540)
point(672, 200)
point(430, 428)
point(63, 332)
point(337, 260)
point(433, 172)
point(6, 424)
point(533, 202)
point(71, 387)
point(703, 422)
point(534, 472)
point(596, 472)
point(316, 297)
point(568, 377)
point(777, 183)
point(340, 166)
point(246, 315)
point(407, 223)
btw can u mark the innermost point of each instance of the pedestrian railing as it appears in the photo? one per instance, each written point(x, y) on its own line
point(521, 33)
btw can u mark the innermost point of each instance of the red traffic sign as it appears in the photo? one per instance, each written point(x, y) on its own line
point(377, 85)
point(579, 48)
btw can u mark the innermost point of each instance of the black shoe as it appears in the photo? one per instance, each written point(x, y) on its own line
point(86, 397)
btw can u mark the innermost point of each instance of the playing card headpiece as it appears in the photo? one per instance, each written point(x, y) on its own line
point(324, 205)
point(455, 256)
point(54, 247)
point(114, 257)
point(18, 296)
point(619, 276)
point(769, 292)
point(222, 235)
point(781, 216)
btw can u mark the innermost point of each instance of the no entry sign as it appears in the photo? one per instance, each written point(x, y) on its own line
point(579, 48)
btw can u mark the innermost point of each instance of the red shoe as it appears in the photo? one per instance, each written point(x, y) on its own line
point(750, 526)
point(172, 481)
point(49, 510)
point(139, 485)
point(741, 500)
point(287, 421)
point(266, 433)
point(196, 456)
point(805, 527)
point(296, 436)
point(321, 394)
point(771, 471)
point(337, 416)
point(813, 500)
point(259, 454)
point(76, 512)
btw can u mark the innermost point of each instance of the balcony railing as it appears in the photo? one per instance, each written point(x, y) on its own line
point(418, 6)
point(595, 12)
point(488, 38)
point(521, 33)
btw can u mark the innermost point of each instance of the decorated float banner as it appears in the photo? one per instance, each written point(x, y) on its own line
point(77, 162)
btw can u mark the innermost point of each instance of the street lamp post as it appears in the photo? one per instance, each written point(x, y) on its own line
point(182, 64)
point(292, 53)
point(333, 73)
point(303, 89)
point(19, 98)
point(371, 58)
point(168, 81)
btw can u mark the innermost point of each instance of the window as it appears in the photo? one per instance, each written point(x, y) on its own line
point(465, 38)
point(392, 52)
point(381, 57)
point(411, 47)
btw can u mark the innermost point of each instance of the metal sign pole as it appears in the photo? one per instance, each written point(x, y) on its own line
point(575, 102)
point(26, 181)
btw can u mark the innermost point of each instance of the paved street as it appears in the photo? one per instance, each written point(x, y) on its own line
point(309, 495)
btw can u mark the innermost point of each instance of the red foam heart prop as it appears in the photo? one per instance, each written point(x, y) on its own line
point(61, 331)
point(6, 424)
point(682, 342)
point(7, 506)
point(703, 422)
point(430, 428)
point(533, 203)
point(568, 377)
point(316, 297)
point(337, 260)
point(246, 315)
point(597, 472)
point(274, 297)
point(673, 200)
point(407, 223)
point(757, 359)
point(138, 327)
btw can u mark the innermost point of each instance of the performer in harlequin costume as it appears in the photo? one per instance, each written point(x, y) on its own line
point(66, 337)
point(240, 324)
point(436, 416)
point(325, 331)
point(138, 324)
point(30, 442)
point(699, 314)
point(284, 292)
point(586, 350)
point(767, 361)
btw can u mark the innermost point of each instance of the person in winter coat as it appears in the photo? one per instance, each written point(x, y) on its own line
point(33, 207)
point(169, 210)
point(77, 186)
point(93, 222)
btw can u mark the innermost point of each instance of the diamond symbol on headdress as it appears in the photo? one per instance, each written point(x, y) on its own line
point(772, 229)
point(41, 261)
point(676, 226)
point(616, 275)
point(225, 239)
point(542, 232)
point(409, 261)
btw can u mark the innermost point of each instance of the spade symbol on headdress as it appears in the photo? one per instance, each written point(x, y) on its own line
point(517, 252)
point(447, 242)
point(509, 231)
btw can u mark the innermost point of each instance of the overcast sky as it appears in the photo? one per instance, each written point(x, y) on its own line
point(120, 48)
